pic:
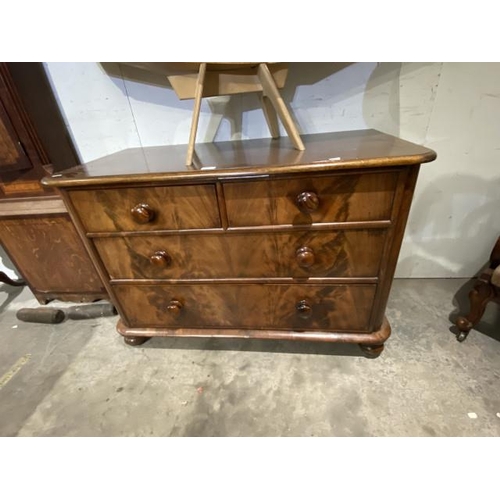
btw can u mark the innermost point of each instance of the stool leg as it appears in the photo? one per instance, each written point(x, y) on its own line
point(196, 112)
point(271, 91)
point(271, 117)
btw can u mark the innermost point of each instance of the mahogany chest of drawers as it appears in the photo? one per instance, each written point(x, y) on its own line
point(255, 240)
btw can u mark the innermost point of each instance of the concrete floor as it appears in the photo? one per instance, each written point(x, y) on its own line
point(80, 379)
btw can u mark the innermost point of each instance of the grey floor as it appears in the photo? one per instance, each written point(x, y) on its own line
point(79, 378)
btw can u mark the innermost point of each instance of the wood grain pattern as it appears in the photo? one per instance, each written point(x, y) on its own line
point(50, 255)
point(354, 253)
point(342, 198)
point(19, 207)
point(331, 152)
point(403, 198)
point(175, 207)
point(334, 307)
point(277, 245)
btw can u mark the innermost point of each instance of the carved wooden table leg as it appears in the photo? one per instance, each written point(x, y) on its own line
point(134, 341)
point(479, 296)
point(372, 350)
point(5, 279)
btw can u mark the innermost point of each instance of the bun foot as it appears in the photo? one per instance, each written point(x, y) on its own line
point(463, 324)
point(462, 336)
point(134, 341)
point(372, 351)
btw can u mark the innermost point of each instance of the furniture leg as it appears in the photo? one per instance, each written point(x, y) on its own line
point(372, 351)
point(135, 341)
point(5, 279)
point(271, 117)
point(272, 92)
point(196, 112)
point(479, 296)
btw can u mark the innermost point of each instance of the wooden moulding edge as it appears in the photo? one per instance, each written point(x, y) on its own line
point(377, 337)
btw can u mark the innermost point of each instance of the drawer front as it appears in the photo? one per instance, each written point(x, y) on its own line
point(351, 253)
point(339, 198)
point(287, 307)
point(147, 208)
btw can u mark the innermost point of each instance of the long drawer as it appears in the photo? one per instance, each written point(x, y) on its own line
point(349, 253)
point(147, 208)
point(319, 199)
point(308, 307)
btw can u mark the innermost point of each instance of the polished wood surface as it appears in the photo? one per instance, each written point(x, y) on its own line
point(333, 307)
point(308, 200)
point(403, 196)
point(49, 254)
point(271, 244)
point(330, 152)
point(376, 337)
point(355, 253)
point(132, 209)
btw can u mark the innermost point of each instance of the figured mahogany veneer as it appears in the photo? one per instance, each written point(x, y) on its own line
point(147, 209)
point(332, 307)
point(256, 240)
point(350, 253)
point(307, 200)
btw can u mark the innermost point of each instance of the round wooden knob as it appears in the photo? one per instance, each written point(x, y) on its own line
point(305, 257)
point(304, 309)
point(160, 259)
point(308, 202)
point(174, 307)
point(143, 213)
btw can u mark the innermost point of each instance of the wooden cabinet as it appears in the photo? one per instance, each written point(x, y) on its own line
point(35, 228)
point(42, 242)
point(292, 245)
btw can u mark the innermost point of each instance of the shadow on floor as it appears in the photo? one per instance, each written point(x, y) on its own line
point(12, 292)
point(255, 345)
point(489, 324)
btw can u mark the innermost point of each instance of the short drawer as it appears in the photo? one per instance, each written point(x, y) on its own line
point(286, 307)
point(147, 208)
point(349, 253)
point(320, 199)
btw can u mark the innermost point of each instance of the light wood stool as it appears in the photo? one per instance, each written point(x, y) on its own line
point(198, 80)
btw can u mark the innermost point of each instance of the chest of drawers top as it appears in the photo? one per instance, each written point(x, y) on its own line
point(329, 152)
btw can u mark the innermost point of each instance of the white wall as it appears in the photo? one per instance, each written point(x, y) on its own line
point(453, 108)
